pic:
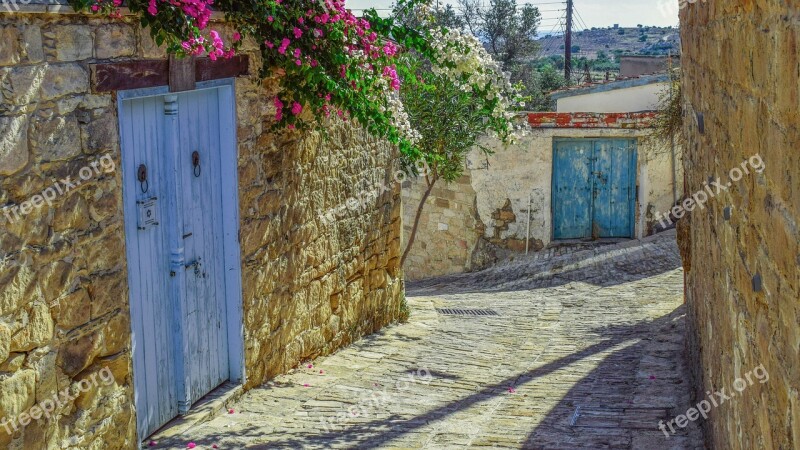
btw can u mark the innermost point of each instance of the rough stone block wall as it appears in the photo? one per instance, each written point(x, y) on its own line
point(741, 63)
point(448, 231)
point(309, 287)
point(312, 286)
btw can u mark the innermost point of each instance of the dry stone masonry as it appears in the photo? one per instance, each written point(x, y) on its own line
point(741, 62)
point(308, 288)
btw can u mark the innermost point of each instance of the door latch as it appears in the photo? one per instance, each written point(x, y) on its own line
point(197, 265)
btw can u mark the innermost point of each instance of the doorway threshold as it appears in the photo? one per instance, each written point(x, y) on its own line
point(213, 404)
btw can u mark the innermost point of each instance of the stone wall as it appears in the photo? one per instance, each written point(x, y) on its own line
point(308, 288)
point(741, 64)
point(488, 209)
point(448, 230)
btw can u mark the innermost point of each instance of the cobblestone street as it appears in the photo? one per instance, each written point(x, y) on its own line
point(586, 351)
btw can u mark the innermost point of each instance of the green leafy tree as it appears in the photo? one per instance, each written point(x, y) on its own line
point(450, 122)
point(508, 30)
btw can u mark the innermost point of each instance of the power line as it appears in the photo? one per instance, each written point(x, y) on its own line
point(585, 27)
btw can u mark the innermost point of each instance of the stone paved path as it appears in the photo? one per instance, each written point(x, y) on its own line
point(586, 352)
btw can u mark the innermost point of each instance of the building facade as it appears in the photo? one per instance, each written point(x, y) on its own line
point(158, 239)
point(572, 176)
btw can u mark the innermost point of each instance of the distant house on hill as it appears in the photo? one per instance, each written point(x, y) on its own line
point(625, 95)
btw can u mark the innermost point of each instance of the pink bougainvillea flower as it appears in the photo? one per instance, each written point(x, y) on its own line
point(297, 108)
point(305, 385)
point(310, 366)
point(191, 445)
point(511, 390)
point(237, 37)
point(231, 411)
point(297, 32)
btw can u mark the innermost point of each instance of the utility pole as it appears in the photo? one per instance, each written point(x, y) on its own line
point(568, 44)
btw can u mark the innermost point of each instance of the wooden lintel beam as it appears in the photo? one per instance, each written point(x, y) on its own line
point(139, 74)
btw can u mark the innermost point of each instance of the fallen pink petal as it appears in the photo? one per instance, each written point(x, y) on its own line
point(191, 445)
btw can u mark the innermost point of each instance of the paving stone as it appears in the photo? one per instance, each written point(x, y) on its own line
point(592, 328)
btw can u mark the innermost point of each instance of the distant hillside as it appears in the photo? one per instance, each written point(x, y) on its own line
point(642, 41)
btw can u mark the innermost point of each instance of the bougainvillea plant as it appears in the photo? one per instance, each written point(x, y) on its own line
point(329, 62)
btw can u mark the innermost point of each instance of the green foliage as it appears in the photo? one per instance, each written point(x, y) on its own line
point(449, 120)
point(669, 120)
point(509, 30)
point(405, 310)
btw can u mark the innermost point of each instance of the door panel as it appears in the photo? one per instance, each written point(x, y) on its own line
point(572, 208)
point(613, 190)
point(204, 304)
point(142, 131)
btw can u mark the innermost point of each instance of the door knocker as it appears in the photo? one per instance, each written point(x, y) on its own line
point(196, 164)
point(142, 177)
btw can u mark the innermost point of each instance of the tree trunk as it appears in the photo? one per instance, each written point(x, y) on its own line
point(413, 234)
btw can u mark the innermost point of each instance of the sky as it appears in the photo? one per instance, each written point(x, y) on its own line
point(590, 13)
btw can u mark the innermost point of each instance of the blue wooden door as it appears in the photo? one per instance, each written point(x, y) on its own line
point(202, 235)
point(572, 189)
point(614, 191)
point(172, 149)
point(594, 188)
point(142, 129)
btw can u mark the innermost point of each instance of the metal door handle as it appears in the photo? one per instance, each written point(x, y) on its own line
point(197, 264)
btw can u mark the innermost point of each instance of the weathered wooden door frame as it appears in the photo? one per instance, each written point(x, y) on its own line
point(634, 179)
point(230, 212)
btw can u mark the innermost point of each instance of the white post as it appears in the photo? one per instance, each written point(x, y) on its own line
point(528, 233)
